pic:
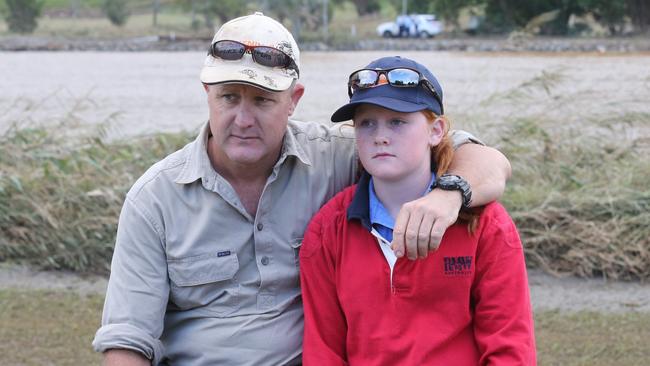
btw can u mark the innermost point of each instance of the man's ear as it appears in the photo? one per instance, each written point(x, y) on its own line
point(437, 131)
point(206, 87)
point(296, 94)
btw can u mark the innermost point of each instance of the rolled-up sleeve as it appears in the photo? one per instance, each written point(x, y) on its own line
point(460, 138)
point(138, 288)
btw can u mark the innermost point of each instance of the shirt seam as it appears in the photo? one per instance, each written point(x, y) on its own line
point(493, 220)
point(322, 138)
point(149, 219)
point(141, 185)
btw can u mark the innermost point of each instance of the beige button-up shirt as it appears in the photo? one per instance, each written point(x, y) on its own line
point(195, 279)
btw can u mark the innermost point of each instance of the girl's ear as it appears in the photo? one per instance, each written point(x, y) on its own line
point(436, 131)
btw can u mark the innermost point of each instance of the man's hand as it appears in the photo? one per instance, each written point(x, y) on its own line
point(420, 224)
point(124, 357)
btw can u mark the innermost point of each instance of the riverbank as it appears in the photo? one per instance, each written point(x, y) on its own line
point(171, 42)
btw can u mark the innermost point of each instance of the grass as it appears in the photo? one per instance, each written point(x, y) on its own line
point(61, 191)
point(579, 191)
point(583, 206)
point(587, 338)
point(48, 327)
point(101, 28)
point(137, 25)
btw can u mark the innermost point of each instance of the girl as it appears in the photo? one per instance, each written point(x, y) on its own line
point(468, 303)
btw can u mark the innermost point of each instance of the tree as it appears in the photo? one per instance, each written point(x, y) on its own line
point(609, 13)
point(23, 14)
point(506, 15)
point(74, 8)
point(224, 10)
point(116, 11)
point(155, 8)
point(365, 6)
point(303, 14)
point(448, 10)
point(639, 12)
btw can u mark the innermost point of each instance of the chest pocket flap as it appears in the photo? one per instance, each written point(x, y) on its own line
point(203, 269)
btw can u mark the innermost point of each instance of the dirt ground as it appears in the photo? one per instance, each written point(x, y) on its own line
point(547, 292)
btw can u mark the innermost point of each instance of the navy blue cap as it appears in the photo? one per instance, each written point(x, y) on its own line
point(405, 100)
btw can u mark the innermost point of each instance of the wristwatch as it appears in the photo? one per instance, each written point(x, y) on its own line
point(450, 182)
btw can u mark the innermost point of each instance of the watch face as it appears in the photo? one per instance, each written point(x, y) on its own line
point(453, 179)
point(455, 182)
point(448, 180)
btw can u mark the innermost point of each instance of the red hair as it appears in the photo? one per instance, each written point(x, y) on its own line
point(441, 157)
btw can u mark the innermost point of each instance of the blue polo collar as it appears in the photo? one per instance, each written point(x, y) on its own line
point(370, 211)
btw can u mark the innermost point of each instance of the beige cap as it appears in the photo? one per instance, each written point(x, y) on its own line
point(258, 30)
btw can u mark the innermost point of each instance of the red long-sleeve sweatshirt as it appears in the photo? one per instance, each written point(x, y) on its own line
point(468, 303)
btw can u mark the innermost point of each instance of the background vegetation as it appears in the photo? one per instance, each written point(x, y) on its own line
point(318, 18)
point(47, 327)
point(21, 15)
point(61, 192)
point(579, 194)
point(506, 15)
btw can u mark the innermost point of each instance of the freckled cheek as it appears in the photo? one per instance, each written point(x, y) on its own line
point(361, 139)
point(364, 148)
point(362, 134)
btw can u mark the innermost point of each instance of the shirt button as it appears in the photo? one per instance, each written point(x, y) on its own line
point(260, 226)
point(265, 260)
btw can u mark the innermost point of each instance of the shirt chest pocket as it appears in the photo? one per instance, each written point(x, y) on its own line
point(205, 281)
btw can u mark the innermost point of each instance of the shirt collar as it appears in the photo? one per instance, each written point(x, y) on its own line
point(359, 207)
point(366, 206)
point(197, 162)
point(292, 147)
point(378, 212)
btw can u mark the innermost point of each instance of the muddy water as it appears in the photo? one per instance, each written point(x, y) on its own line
point(143, 92)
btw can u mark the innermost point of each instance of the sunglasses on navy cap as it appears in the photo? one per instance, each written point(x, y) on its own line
point(263, 55)
point(400, 77)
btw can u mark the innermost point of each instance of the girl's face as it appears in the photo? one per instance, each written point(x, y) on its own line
point(393, 145)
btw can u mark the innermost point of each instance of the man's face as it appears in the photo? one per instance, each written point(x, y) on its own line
point(248, 123)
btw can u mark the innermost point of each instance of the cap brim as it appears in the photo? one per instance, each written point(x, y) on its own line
point(217, 71)
point(346, 112)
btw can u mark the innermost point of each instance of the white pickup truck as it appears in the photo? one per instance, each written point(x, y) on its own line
point(413, 25)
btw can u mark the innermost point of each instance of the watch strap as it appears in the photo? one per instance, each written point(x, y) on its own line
point(451, 182)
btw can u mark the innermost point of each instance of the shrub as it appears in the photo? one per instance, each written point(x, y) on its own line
point(116, 11)
point(22, 14)
point(579, 192)
point(62, 188)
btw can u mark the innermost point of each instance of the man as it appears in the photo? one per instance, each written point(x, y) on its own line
point(205, 268)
